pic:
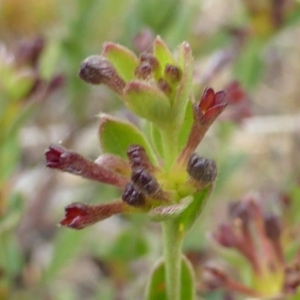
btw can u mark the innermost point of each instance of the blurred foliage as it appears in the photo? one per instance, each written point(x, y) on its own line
point(251, 41)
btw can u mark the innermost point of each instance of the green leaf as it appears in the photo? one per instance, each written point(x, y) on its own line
point(156, 286)
point(116, 136)
point(185, 86)
point(124, 60)
point(162, 53)
point(148, 102)
point(163, 213)
point(193, 211)
point(186, 126)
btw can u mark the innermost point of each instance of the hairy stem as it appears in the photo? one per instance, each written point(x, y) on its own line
point(172, 242)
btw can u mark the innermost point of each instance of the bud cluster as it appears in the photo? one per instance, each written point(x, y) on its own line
point(258, 237)
point(154, 176)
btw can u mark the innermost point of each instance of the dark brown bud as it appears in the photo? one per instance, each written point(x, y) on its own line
point(164, 86)
point(133, 196)
point(143, 70)
point(272, 227)
point(97, 69)
point(202, 169)
point(145, 181)
point(151, 59)
point(172, 74)
point(138, 157)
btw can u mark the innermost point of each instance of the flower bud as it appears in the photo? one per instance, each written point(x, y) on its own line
point(210, 106)
point(202, 169)
point(133, 196)
point(79, 215)
point(58, 157)
point(173, 74)
point(145, 181)
point(272, 227)
point(97, 69)
point(240, 210)
point(151, 60)
point(138, 158)
point(29, 52)
point(164, 86)
point(225, 236)
point(143, 70)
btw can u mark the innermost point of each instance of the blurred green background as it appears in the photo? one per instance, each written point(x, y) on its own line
point(42, 101)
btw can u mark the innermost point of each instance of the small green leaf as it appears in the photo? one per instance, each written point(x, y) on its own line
point(124, 60)
point(148, 102)
point(116, 136)
point(162, 53)
point(163, 213)
point(192, 212)
point(185, 86)
point(186, 126)
point(156, 289)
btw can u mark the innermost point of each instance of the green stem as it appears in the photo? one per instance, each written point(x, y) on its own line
point(172, 242)
point(170, 144)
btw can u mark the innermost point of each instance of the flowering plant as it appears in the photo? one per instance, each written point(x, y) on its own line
point(155, 167)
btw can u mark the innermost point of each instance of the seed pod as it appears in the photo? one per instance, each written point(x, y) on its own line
point(202, 169)
point(133, 196)
point(145, 182)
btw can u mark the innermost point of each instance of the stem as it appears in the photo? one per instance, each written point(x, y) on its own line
point(172, 241)
point(170, 144)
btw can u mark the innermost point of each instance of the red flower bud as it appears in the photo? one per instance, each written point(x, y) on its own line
point(206, 111)
point(58, 157)
point(79, 216)
point(210, 106)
